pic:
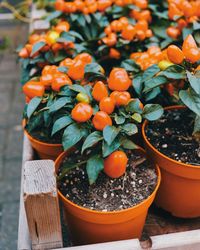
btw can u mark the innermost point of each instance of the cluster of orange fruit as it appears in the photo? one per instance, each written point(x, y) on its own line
point(127, 31)
point(91, 6)
point(147, 58)
point(109, 96)
point(189, 52)
point(50, 40)
point(183, 12)
point(54, 79)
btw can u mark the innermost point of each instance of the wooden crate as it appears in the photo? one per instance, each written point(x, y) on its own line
point(162, 231)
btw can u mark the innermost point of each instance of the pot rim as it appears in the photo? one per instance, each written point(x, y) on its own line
point(63, 154)
point(158, 152)
point(39, 142)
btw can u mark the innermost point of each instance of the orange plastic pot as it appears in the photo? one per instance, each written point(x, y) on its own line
point(179, 192)
point(45, 150)
point(87, 226)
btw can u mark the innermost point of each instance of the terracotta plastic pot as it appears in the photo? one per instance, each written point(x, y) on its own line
point(179, 192)
point(88, 226)
point(45, 150)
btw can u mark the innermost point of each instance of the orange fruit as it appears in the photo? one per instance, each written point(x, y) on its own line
point(59, 81)
point(100, 120)
point(107, 104)
point(99, 91)
point(174, 54)
point(119, 80)
point(82, 112)
point(76, 70)
point(115, 164)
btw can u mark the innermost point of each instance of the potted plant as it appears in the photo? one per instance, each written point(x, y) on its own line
point(46, 111)
point(173, 141)
point(48, 48)
point(96, 180)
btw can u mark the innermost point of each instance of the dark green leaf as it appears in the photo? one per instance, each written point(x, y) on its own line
point(37, 47)
point(32, 106)
point(72, 135)
point(75, 34)
point(78, 88)
point(152, 112)
point(91, 140)
point(130, 129)
point(194, 82)
point(58, 104)
point(152, 94)
point(138, 84)
point(150, 72)
point(134, 106)
point(53, 15)
point(108, 149)
point(130, 65)
point(196, 125)
point(128, 144)
point(174, 72)
point(60, 124)
point(66, 37)
point(119, 119)
point(191, 100)
point(94, 166)
point(110, 133)
point(35, 122)
point(154, 82)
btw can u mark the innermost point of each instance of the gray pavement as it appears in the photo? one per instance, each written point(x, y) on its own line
point(11, 135)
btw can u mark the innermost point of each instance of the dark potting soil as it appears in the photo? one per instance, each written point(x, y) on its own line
point(108, 194)
point(172, 136)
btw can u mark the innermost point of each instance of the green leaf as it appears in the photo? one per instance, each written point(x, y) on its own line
point(150, 72)
point(119, 119)
point(137, 117)
point(152, 112)
point(60, 124)
point(93, 68)
point(191, 100)
point(174, 72)
point(130, 129)
point(94, 166)
point(32, 106)
point(138, 84)
point(108, 149)
point(65, 37)
point(134, 106)
point(35, 122)
point(128, 144)
point(152, 94)
point(72, 135)
point(154, 82)
point(78, 88)
point(91, 140)
point(194, 82)
point(110, 133)
point(76, 35)
point(53, 15)
point(37, 47)
point(130, 65)
point(58, 104)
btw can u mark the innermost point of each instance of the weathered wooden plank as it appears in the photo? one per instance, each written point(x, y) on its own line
point(23, 232)
point(41, 204)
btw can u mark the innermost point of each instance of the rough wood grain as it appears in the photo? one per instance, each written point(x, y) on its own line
point(41, 204)
point(23, 232)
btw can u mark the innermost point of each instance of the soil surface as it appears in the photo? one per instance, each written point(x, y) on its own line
point(172, 136)
point(108, 194)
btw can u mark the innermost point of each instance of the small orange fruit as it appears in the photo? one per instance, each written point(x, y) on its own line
point(115, 164)
point(82, 112)
point(101, 119)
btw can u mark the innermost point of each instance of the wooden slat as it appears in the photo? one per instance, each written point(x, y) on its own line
point(23, 232)
point(37, 14)
point(41, 204)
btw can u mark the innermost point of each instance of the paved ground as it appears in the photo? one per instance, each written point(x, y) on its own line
point(11, 106)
